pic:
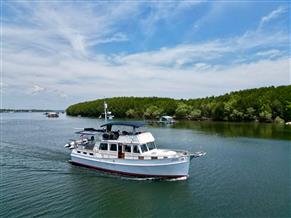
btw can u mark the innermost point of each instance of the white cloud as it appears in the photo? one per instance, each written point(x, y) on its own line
point(181, 54)
point(92, 79)
point(207, 51)
point(164, 11)
point(273, 53)
point(2, 84)
point(37, 89)
point(65, 28)
point(52, 57)
point(118, 37)
point(273, 15)
point(40, 90)
point(202, 66)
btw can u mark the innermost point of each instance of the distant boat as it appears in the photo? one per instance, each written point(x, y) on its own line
point(163, 120)
point(167, 120)
point(288, 123)
point(52, 115)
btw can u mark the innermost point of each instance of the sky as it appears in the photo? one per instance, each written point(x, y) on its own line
point(56, 53)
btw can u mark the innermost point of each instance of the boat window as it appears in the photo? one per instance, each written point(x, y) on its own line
point(151, 145)
point(103, 146)
point(127, 148)
point(113, 147)
point(135, 149)
point(144, 148)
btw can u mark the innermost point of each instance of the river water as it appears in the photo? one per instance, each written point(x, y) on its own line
point(246, 172)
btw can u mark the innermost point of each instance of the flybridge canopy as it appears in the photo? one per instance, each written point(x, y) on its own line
point(90, 131)
point(86, 132)
point(123, 123)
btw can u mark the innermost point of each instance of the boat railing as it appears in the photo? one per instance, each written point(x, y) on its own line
point(191, 154)
point(182, 152)
point(86, 147)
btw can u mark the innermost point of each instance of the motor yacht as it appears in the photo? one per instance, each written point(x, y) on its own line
point(122, 147)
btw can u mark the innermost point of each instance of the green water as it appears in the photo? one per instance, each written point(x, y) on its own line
point(246, 172)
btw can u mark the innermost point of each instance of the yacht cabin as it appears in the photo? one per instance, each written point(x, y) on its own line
point(121, 144)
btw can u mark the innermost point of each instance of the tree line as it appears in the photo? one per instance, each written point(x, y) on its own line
point(267, 104)
point(7, 110)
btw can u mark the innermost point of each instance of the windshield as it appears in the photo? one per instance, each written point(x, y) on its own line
point(144, 148)
point(135, 149)
point(151, 145)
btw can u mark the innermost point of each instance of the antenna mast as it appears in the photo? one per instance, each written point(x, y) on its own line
point(105, 112)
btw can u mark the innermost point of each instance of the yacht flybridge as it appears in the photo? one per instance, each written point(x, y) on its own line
point(132, 152)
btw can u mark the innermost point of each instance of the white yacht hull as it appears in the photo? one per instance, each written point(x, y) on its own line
point(162, 168)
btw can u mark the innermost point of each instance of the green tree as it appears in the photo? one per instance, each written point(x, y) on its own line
point(264, 104)
point(131, 113)
point(229, 106)
point(236, 115)
point(279, 120)
point(287, 111)
point(218, 111)
point(277, 108)
point(153, 112)
point(266, 113)
point(206, 107)
point(195, 114)
point(182, 111)
point(250, 114)
point(265, 116)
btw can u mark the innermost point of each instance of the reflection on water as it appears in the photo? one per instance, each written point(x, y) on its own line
point(230, 129)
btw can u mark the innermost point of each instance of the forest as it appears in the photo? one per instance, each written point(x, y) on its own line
point(267, 104)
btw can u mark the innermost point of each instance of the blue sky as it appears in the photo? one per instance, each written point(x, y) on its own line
point(55, 53)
